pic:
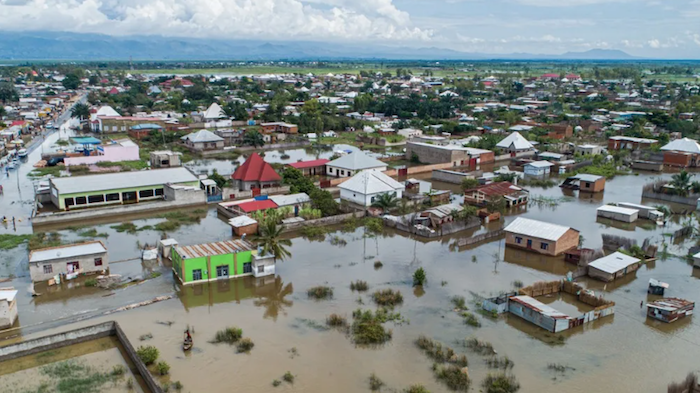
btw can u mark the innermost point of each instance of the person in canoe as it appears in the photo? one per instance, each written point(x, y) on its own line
point(187, 344)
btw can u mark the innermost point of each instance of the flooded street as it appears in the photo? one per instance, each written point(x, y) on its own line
point(623, 353)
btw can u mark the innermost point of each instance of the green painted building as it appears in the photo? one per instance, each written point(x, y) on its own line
point(221, 260)
point(73, 192)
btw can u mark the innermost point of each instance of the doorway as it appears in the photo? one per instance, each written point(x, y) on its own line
point(222, 271)
point(129, 197)
point(72, 267)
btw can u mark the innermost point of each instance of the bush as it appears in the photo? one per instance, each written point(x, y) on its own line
point(375, 383)
point(359, 286)
point(336, 320)
point(440, 354)
point(518, 284)
point(276, 383)
point(148, 354)
point(288, 377)
point(177, 385)
point(367, 328)
point(229, 335)
point(378, 265)
point(163, 368)
point(500, 383)
point(453, 377)
point(320, 292)
point(90, 282)
point(416, 389)
point(245, 345)
point(118, 370)
point(130, 384)
point(499, 362)
point(460, 303)
point(480, 347)
point(471, 319)
point(387, 297)
point(419, 277)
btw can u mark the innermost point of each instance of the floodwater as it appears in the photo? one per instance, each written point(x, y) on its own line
point(623, 353)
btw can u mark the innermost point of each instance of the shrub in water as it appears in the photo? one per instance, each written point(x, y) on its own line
point(288, 377)
point(375, 383)
point(500, 383)
point(367, 328)
point(460, 303)
point(378, 265)
point(163, 368)
point(359, 286)
point(387, 297)
point(320, 292)
point(336, 320)
point(454, 377)
point(419, 277)
point(245, 345)
point(148, 354)
point(90, 282)
point(276, 383)
point(416, 389)
point(118, 370)
point(229, 335)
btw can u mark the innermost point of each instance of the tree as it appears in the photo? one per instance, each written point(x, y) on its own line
point(71, 81)
point(254, 138)
point(419, 277)
point(80, 111)
point(8, 92)
point(386, 201)
point(468, 183)
point(236, 110)
point(269, 240)
point(218, 179)
point(681, 183)
point(496, 204)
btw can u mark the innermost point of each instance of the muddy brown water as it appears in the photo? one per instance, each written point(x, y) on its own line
point(623, 353)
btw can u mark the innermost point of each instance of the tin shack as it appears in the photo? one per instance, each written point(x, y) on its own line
point(670, 309)
point(613, 266)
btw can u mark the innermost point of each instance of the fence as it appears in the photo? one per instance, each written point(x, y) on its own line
point(332, 220)
point(480, 238)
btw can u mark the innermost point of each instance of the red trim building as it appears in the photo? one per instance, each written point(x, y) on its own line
point(255, 173)
point(311, 168)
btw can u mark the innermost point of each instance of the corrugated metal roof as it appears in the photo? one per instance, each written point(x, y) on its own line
point(112, 181)
point(539, 307)
point(356, 161)
point(614, 262)
point(538, 229)
point(371, 182)
point(518, 141)
point(203, 136)
point(257, 205)
point(587, 177)
point(686, 145)
point(241, 221)
point(539, 164)
point(670, 304)
point(68, 251)
point(617, 209)
point(217, 248)
point(293, 199)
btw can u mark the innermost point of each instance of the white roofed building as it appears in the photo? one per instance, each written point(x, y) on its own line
point(349, 165)
point(8, 307)
point(68, 261)
point(684, 153)
point(515, 143)
point(363, 188)
point(541, 237)
point(203, 140)
point(613, 266)
point(214, 112)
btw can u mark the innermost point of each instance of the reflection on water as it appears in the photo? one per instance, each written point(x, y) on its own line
point(533, 260)
point(269, 291)
point(669, 328)
point(65, 291)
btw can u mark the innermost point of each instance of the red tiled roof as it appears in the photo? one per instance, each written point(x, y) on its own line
point(309, 164)
point(253, 206)
point(550, 76)
point(500, 188)
point(17, 123)
point(255, 169)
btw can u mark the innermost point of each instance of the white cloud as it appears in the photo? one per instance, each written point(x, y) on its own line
point(654, 43)
point(224, 19)
point(567, 3)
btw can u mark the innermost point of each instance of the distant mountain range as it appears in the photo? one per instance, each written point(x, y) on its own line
point(81, 47)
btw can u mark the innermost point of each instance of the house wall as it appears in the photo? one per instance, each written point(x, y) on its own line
point(59, 199)
point(607, 277)
point(362, 199)
point(8, 313)
point(696, 262)
point(112, 153)
point(682, 160)
point(246, 230)
point(535, 171)
point(124, 125)
point(59, 266)
point(341, 172)
point(618, 216)
point(597, 186)
point(268, 265)
point(435, 155)
point(218, 145)
point(530, 315)
point(568, 241)
point(222, 260)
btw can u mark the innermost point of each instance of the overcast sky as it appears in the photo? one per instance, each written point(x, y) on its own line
point(663, 29)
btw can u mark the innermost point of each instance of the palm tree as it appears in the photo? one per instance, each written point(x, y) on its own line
point(385, 201)
point(81, 111)
point(269, 240)
point(254, 139)
point(681, 183)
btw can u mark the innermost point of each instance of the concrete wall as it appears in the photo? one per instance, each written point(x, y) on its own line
point(8, 313)
point(332, 220)
point(112, 153)
point(448, 176)
point(362, 199)
point(59, 266)
point(692, 201)
point(568, 241)
point(435, 155)
point(185, 195)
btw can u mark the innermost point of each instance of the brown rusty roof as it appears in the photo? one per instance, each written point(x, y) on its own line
point(217, 248)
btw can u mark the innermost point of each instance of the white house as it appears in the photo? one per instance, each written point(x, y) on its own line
point(366, 186)
point(8, 307)
point(347, 166)
point(515, 143)
point(409, 133)
point(537, 168)
point(214, 112)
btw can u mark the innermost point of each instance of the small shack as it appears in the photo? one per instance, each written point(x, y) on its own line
point(613, 266)
point(670, 309)
point(541, 237)
point(537, 168)
point(8, 307)
point(243, 225)
point(585, 183)
point(618, 213)
point(165, 247)
point(542, 315)
point(68, 261)
point(657, 287)
point(648, 212)
point(576, 256)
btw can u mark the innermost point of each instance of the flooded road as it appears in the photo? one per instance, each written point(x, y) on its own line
point(623, 353)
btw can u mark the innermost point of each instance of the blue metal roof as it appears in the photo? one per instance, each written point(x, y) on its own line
point(147, 126)
point(86, 140)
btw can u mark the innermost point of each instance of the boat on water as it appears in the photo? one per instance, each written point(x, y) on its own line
point(22, 153)
point(188, 342)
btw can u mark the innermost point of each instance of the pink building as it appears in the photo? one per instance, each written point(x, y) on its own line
point(121, 150)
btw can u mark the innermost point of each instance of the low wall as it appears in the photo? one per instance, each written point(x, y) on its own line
point(445, 229)
point(452, 177)
point(104, 212)
point(240, 194)
point(332, 220)
point(649, 194)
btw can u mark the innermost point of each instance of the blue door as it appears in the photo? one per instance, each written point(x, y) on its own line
point(529, 243)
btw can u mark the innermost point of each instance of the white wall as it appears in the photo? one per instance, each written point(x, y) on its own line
point(361, 199)
point(8, 313)
point(335, 172)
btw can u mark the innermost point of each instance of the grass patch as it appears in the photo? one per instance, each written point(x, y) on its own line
point(148, 354)
point(9, 241)
point(91, 233)
point(314, 232)
point(440, 353)
point(54, 171)
point(245, 345)
point(453, 376)
point(336, 320)
point(320, 293)
point(500, 383)
point(459, 302)
point(480, 347)
point(125, 165)
point(162, 368)
point(288, 377)
point(387, 298)
point(470, 319)
point(374, 225)
point(276, 383)
point(359, 286)
point(174, 220)
point(375, 384)
point(128, 227)
point(90, 282)
point(230, 335)
point(43, 240)
point(338, 241)
point(367, 328)
point(73, 377)
point(502, 362)
point(416, 389)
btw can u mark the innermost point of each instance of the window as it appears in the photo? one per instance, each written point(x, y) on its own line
point(159, 192)
point(588, 185)
point(114, 128)
point(247, 268)
point(330, 170)
point(123, 128)
point(342, 173)
point(261, 269)
point(96, 198)
point(69, 201)
point(98, 261)
point(112, 197)
point(165, 162)
point(544, 246)
point(80, 200)
point(518, 240)
point(48, 269)
point(372, 199)
point(196, 274)
point(146, 193)
point(222, 271)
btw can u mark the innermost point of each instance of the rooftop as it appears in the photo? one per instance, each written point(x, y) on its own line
point(217, 248)
point(253, 206)
point(309, 164)
point(67, 251)
point(617, 209)
point(498, 188)
point(255, 169)
point(685, 145)
point(8, 294)
point(241, 221)
point(371, 182)
point(540, 164)
point(515, 140)
point(356, 161)
point(539, 307)
point(292, 199)
point(614, 262)
point(670, 304)
point(112, 181)
point(538, 229)
point(202, 136)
